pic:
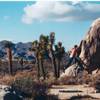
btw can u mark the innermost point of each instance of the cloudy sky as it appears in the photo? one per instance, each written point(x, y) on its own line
point(25, 21)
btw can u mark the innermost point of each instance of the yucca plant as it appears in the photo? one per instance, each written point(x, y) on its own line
point(21, 63)
point(40, 56)
point(40, 49)
point(35, 48)
point(52, 40)
point(43, 52)
point(8, 46)
point(59, 52)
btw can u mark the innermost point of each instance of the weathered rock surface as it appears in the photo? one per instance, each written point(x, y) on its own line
point(90, 48)
point(73, 70)
point(89, 51)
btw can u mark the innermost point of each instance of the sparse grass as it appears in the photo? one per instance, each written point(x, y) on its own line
point(85, 78)
point(26, 81)
point(35, 89)
point(96, 82)
point(67, 80)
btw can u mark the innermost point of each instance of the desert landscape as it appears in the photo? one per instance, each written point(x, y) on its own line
point(37, 72)
point(50, 50)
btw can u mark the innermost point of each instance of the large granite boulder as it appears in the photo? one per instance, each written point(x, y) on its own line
point(73, 70)
point(89, 51)
point(90, 47)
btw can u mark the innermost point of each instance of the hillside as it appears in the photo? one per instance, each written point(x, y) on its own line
point(18, 49)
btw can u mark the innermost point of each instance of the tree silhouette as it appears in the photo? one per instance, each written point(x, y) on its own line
point(44, 49)
point(35, 48)
point(40, 49)
point(8, 46)
point(52, 41)
point(59, 52)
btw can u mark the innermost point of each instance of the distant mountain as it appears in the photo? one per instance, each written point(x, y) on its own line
point(23, 47)
point(17, 49)
point(20, 49)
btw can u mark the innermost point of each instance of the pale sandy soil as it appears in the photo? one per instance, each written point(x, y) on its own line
point(65, 92)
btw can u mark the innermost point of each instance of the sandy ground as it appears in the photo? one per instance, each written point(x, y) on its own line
point(65, 92)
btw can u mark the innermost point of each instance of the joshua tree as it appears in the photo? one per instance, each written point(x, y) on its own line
point(1, 56)
point(52, 40)
point(59, 52)
point(40, 49)
point(21, 63)
point(43, 48)
point(41, 63)
point(8, 46)
point(0, 62)
point(35, 48)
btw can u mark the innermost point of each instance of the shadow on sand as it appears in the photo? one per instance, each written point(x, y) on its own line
point(86, 97)
point(70, 91)
point(13, 94)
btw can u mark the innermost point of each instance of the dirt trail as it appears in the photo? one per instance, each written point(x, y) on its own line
point(65, 92)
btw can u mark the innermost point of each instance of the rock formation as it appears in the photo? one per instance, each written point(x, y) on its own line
point(89, 51)
point(90, 48)
point(73, 70)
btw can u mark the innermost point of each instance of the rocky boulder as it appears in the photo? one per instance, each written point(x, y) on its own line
point(90, 47)
point(89, 51)
point(73, 70)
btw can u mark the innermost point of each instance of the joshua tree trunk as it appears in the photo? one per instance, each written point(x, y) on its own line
point(9, 54)
point(58, 70)
point(21, 63)
point(42, 68)
point(54, 64)
point(38, 68)
point(0, 62)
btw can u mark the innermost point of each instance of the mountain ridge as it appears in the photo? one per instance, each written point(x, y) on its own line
point(18, 48)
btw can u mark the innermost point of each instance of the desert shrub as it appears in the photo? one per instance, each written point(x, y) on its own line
point(83, 78)
point(96, 82)
point(51, 80)
point(97, 85)
point(40, 90)
point(24, 84)
point(29, 87)
point(68, 80)
point(6, 80)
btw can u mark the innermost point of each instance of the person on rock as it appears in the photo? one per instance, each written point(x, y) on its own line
point(74, 57)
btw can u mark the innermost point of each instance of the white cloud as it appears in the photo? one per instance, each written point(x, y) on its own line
point(60, 11)
point(74, 2)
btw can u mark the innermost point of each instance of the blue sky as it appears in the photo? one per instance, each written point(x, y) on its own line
point(25, 21)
